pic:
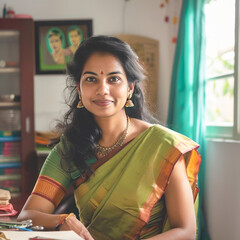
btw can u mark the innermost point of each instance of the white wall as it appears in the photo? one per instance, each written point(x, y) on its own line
point(222, 189)
point(141, 17)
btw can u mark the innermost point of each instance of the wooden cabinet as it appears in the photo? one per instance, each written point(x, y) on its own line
point(18, 164)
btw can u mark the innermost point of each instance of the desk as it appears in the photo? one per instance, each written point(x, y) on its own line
point(56, 235)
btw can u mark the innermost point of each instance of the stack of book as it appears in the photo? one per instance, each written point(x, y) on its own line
point(6, 208)
point(44, 140)
point(10, 161)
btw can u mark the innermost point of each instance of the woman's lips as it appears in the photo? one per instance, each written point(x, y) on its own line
point(102, 103)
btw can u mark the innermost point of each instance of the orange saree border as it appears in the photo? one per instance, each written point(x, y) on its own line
point(50, 189)
point(192, 160)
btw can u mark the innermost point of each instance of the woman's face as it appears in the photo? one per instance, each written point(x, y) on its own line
point(103, 86)
point(55, 43)
point(75, 38)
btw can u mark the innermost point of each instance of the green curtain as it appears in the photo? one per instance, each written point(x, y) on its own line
point(187, 98)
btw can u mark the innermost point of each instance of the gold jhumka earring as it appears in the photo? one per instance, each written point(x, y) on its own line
point(129, 102)
point(80, 104)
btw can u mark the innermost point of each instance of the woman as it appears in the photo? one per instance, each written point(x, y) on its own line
point(56, 45)
point(129, 175)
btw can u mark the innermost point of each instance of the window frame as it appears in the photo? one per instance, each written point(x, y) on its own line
point(236, 132)
point(230, 132)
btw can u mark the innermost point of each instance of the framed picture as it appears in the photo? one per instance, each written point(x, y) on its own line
point(56, 42)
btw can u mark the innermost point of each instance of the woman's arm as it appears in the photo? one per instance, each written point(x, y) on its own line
point(180, 206)
point(40, 210)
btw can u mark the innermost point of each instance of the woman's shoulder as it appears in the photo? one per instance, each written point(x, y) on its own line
point(57, 159)
point(58, 150)
point(55, 152)
point(173, 138)
point(62, 146)
point(161, 134)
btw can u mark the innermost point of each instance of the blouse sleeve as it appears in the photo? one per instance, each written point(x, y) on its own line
point(53, 180)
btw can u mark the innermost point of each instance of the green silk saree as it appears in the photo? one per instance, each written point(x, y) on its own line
point(124, 198)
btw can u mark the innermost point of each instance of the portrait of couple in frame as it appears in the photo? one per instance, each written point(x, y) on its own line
point(57, 41)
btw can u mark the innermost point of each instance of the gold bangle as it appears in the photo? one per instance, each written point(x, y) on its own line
point(69, 215)
point(64, 218)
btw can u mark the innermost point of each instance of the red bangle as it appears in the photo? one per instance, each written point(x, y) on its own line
point(60, 223)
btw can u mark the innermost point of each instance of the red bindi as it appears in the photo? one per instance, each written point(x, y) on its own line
point(101, 72)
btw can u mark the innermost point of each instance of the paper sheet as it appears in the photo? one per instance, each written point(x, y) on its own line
point(58, 235)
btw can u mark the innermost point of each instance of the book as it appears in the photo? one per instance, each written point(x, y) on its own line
point(4, 198)
point(4, 194)
point(4, 159)
point(13, 185)
point(10, 133)
point(10, 164)
point(10, 177)
point(10, 148)
point(9, 171)
point(10, 139)
point(46, 138)
point(53, 235)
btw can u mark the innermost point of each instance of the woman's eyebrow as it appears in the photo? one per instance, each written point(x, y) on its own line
point(90, 73)
point(112, 73)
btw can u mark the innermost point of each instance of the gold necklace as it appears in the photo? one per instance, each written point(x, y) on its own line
point(103, 151)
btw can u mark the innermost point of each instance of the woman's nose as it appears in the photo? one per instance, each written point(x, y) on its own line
point(103, 88)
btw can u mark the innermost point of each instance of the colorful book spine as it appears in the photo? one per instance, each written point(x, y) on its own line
point(10, 136)
point(10, 161)
point(9, 171)
point(10, 165)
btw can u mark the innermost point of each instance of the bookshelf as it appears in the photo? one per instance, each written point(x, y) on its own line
point(18, 161)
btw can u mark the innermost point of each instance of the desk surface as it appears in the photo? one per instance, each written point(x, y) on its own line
point(56, 235)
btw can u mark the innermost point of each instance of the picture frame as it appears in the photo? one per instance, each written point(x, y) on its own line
point(56, 41)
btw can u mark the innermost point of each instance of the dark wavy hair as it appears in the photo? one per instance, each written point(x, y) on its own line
point(78, 126)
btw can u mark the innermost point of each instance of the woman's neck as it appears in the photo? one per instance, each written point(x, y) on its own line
point(112, 128)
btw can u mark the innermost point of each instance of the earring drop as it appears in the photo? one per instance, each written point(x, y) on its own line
point(129, 102)
point(80, 104)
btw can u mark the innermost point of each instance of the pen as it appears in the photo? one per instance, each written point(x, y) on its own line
point(16, 227)
point(22, 228)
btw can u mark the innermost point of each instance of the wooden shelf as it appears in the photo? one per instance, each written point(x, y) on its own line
point(9, 33)
point(10, 104)
point(9, 70)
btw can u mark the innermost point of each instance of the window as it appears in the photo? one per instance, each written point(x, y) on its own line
point(222, 30)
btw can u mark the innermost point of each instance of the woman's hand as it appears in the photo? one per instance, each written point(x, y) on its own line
point(72, 223)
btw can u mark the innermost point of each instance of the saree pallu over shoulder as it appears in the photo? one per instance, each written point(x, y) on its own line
point(117, 201)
